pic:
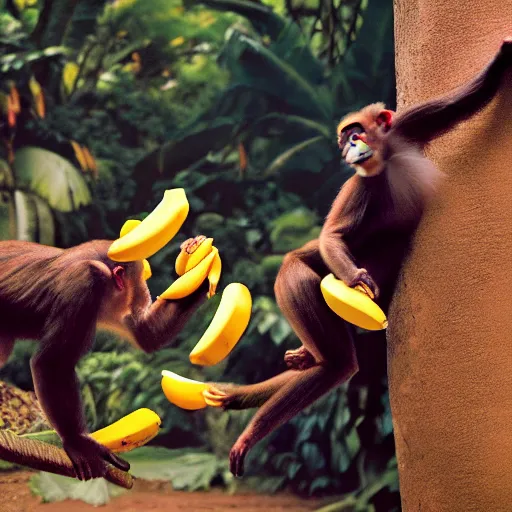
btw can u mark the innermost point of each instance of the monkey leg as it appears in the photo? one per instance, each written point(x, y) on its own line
point(301, 390)
point(327, 338)
point(232, 396)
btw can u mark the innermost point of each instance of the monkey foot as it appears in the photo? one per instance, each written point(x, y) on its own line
point(215, 397)
point(237, 456)
point(299, 359)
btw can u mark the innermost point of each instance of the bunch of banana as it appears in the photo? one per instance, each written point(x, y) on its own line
point(142, 240)
point(198, 259)
point(352, 304)
point(133, 430)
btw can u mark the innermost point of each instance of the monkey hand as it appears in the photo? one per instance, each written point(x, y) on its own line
point(90, 458)
point(237, 456)
point(363, 279)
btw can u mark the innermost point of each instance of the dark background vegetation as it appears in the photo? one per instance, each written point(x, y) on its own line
point(104, 105)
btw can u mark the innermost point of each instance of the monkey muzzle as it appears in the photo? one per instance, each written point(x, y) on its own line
point(356, 151)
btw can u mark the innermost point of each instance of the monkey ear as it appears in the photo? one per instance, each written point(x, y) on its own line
point(385, 118)
point(118, 274)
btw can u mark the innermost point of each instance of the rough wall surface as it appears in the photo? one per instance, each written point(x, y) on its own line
point(450, 334)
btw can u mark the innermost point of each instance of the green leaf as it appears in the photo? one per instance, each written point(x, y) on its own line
point(180, 153)
point(252, 64)
point(293, 229)
point(284, 157)
point(288, 123)
point(280, 331)
point(57, 488)
point(46, 224)
point(186, 469)
point(51, 177)
point(7, 216)
point(265, 21)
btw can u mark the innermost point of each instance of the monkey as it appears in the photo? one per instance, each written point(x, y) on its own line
point(60, 297)
point(364, 240)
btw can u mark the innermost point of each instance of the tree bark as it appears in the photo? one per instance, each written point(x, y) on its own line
point(450, 334)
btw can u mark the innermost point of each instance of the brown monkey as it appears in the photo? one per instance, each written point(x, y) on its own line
point(363, 241)
point(59, 297)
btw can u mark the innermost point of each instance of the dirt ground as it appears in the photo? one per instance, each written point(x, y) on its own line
point(15, 496)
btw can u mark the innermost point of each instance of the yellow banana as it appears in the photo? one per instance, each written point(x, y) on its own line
point(127, 227)
point(183, 392)
point(131, 431)
point(155, 231)
point(199, 254)
point(147, 270)
point(352, 305)
point(226, 328)
point(189, 282)
point(188, 260)
point(181, 262)
point(214, 275)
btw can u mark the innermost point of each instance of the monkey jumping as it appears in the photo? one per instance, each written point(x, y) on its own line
point(363, 242)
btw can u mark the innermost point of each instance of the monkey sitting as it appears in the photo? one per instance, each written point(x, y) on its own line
point(364, 240)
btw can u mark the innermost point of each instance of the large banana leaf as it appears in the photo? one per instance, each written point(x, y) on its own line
point(276, 123)
point(287, 40)
point(7, 218)
point(34, 219)
point(6, 176)
point(262, 17)
point(367, 74)
point(253, 64)
point(284, 158)
point(51, 177)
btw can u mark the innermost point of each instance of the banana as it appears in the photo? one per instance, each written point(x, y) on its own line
point(147, 270)
point(155, 231)
point(352, 305)
point(128, 226)
point(131, 431)
point(214, 275)
point(181, 262)
point(188, 259)
point(226, 328)
point(183, 392)
point(189, 282)
point(199, 254)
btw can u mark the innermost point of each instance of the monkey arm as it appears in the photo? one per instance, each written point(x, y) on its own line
point(422, 123)
point(159, 325)
point(336, 255)
point(331, 244)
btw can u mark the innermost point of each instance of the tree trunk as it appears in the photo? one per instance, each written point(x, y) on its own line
point(450, 335)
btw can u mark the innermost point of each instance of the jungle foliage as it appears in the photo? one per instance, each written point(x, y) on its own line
point(104, 105)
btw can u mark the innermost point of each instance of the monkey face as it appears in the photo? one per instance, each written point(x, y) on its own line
point(361, 138)
point(356, 150)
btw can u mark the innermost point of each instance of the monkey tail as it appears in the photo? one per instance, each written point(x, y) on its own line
point(47, 457)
